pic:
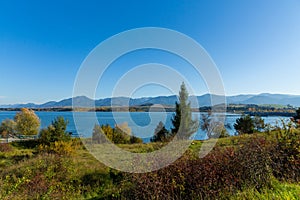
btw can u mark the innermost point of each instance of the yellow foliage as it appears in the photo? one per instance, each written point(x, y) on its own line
point(27, 122)
point(59, 147)
point(63, 148)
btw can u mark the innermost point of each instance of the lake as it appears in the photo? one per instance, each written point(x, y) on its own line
point(142, 124)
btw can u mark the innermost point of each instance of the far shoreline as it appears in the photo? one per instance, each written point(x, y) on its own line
point(252, 110)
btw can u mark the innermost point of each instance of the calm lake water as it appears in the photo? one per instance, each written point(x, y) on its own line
point(142, 124)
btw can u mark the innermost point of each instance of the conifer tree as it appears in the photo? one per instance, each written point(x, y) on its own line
point(183, 124)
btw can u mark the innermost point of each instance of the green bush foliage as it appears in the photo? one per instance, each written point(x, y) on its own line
point(244, 124)
point(55, 132)
point(248, 124)
point(285, 153)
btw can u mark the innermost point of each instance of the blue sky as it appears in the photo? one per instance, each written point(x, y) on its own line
point(255, 43)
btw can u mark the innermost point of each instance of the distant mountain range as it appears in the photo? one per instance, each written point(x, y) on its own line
point(203, 100)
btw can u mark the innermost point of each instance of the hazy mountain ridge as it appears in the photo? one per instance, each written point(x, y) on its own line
point(203, 100)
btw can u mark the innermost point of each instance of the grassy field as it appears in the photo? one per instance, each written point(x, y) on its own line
point(239, 167)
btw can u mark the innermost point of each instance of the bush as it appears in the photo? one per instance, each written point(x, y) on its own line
point(247, 124)
point(55, 132)
point(221, 172)
point(4, 147)
point(244, 124)
point(59, 147)
point(285, 153)
point(47, 176)
point(135, 140)
point(121, 134)
point(25, 144)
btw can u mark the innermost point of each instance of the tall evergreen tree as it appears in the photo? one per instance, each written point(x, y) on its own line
point(182, 121)
point(176, 119)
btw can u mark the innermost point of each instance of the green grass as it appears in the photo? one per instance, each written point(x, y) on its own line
point(14, 156)
point(141, 148)
point(277, 190)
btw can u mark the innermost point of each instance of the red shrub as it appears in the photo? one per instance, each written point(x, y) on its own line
point(4, 147)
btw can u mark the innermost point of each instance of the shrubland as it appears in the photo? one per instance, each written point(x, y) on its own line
point(256, 166)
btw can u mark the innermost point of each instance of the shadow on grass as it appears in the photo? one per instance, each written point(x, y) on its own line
point(25, 144)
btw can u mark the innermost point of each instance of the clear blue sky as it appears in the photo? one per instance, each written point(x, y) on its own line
point(255, 43)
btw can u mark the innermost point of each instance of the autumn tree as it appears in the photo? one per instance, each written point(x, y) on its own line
point(7, 128)
point(182, 121)
point(27, 122)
